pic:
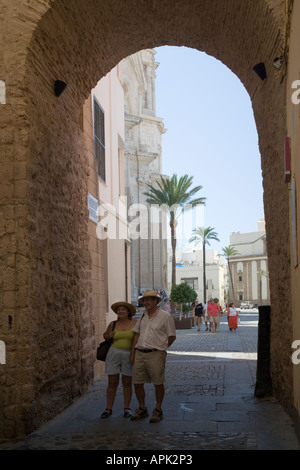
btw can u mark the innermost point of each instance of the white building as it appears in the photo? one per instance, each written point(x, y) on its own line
point(250, 268)
point(189, 269)
point(143, 165)
point(103, 127)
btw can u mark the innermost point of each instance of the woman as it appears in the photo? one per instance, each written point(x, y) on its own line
point(232, 317)
point(118, 357)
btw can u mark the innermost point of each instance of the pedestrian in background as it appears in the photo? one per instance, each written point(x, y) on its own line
point(118, 357)
point(206, 318)
point(233, 315)
point(198, 312)
point(220, 313)
point(155, 332)
point(226, 305)
point(213, 310)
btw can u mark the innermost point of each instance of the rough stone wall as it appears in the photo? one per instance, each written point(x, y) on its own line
point(59, 302)
point(46, 319)
point(271, 126)
point(293, 131)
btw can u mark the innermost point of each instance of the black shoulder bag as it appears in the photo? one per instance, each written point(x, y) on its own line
point(103, 347)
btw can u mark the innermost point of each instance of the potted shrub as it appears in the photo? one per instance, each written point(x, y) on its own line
point(183, 295)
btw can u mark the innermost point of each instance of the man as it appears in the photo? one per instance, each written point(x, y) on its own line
point(198, 312)
point(155, 332)
point(213, 311)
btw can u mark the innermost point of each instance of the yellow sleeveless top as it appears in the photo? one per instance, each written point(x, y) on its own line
point(123, 339)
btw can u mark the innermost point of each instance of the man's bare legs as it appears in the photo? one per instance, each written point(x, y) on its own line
point(140, 395)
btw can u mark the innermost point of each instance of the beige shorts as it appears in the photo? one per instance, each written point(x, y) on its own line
point(149, 367)
point(213, 319)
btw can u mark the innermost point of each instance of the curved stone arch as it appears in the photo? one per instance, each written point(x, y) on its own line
point(79, 42)
point(227, 33)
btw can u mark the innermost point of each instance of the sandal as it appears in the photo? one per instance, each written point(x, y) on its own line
point(127, 413)
point(106, 413)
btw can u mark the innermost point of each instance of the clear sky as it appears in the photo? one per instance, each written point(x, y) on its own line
point(211, 135)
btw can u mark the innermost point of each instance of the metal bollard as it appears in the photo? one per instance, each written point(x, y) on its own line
point(263, 386)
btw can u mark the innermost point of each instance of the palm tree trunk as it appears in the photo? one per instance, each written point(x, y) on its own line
point(173, 244)
point(230, 274)
point(204, 274)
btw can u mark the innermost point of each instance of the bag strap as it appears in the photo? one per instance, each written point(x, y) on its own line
point(114, 325)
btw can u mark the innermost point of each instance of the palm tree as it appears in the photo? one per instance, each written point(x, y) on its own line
point(175, 196)
point(228, 252)
point(204, 234)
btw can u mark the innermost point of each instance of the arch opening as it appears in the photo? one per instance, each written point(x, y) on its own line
point(78, 44)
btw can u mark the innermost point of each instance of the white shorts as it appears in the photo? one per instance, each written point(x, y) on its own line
point(118, 362)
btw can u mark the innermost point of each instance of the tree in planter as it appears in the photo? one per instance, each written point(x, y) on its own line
point(183, 295)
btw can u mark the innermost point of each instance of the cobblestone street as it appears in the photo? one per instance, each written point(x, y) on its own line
point(209, 404)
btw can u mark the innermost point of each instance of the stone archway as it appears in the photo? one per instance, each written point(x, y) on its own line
point(45, 259)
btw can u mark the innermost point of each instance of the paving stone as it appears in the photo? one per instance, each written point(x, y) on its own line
point(209, 404)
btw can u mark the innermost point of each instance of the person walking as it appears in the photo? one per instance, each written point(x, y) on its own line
point(198, 312)
point(226, 306)
point(206, 317)
point(220, 313)
point(233, 315)
point(118, 357)
point(155, 332)
point(213, 310)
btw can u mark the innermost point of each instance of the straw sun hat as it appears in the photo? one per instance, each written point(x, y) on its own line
point(150, 293)
point(130, 307)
